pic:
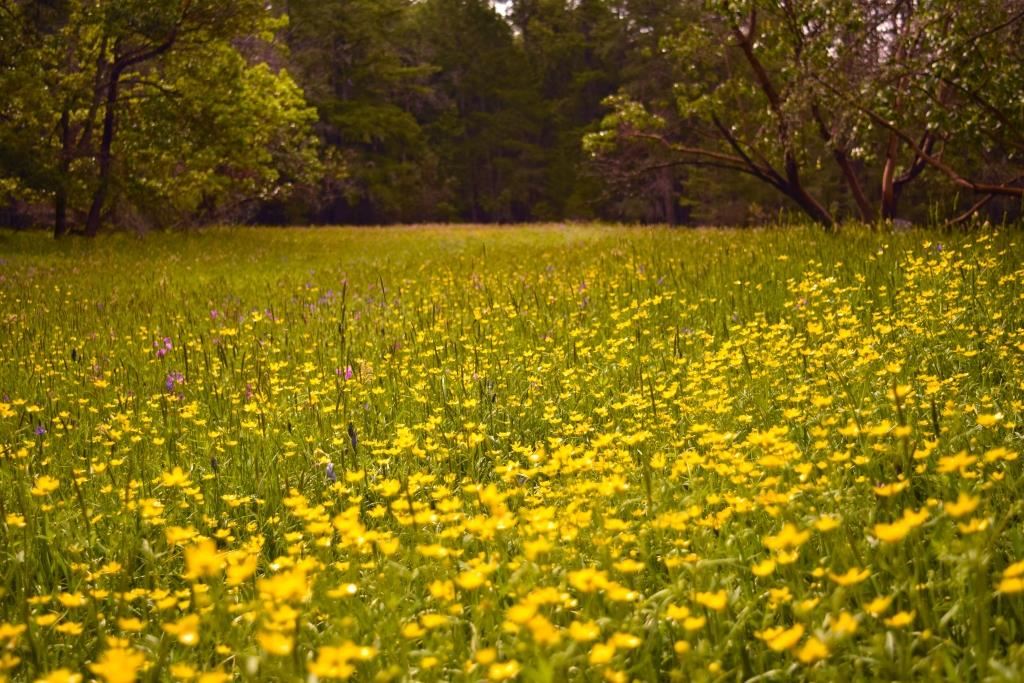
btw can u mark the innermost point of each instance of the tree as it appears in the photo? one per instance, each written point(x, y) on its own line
point(808, 96)
point(358, 63)
point(641, 184)
point(100, 91)
point(172, 111)
point(574, 54)
point(486, 123)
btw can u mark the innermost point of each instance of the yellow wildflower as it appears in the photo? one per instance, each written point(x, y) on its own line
point(850, 577)
point(714, 601)
point(45, 485)
point(812, 650)
point(900, 619)
point(118, 665)
point(965, 504)
point(186, 629)
point(780, 639)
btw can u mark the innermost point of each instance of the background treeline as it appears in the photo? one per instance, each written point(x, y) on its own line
point(143, 113)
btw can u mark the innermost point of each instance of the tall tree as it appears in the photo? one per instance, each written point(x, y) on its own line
point(488, 118)
point(574, 52)
point(358, 65)
point(100, 90)
point(637, 184)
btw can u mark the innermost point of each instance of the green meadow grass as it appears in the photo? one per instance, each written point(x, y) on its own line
point(547, 453)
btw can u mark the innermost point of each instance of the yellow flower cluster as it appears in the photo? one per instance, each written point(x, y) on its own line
point(563, 453)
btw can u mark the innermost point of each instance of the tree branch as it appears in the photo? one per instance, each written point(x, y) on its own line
point(966, 215)
point(765, 173)
point(1000, 189)
point(1004, 189)
point(733, 161)
point(867, 213)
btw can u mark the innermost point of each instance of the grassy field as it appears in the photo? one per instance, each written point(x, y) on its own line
point(487, 454)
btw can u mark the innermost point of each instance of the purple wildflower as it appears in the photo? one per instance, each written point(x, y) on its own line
point(330, 473)
point(164, 347)
point(173, 379)
point(40, 430)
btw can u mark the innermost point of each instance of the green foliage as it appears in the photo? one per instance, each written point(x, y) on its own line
point(220, 131)
point(840, 106)
point(360, 68)
point(173, 94)
point(378, 111)
point(488, 98)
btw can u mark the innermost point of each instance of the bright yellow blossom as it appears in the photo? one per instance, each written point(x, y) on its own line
point(118, 665)
point(714, 601)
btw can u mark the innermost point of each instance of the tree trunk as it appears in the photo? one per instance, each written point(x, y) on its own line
point(843, 161)
point(794, 188)
point(889, 198)
point(99, 197)
point(60, 202)
point(810, 206)
point(60, 213)
point(867, 213)
point(668, 197)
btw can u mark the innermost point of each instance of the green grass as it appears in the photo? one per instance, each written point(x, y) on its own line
point(580, 453)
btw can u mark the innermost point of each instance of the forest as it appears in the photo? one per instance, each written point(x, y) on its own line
point(144, 114)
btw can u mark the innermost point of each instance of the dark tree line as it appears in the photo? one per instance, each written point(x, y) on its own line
point(180, 112)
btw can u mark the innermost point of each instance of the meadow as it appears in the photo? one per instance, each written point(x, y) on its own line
point(545, 454)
